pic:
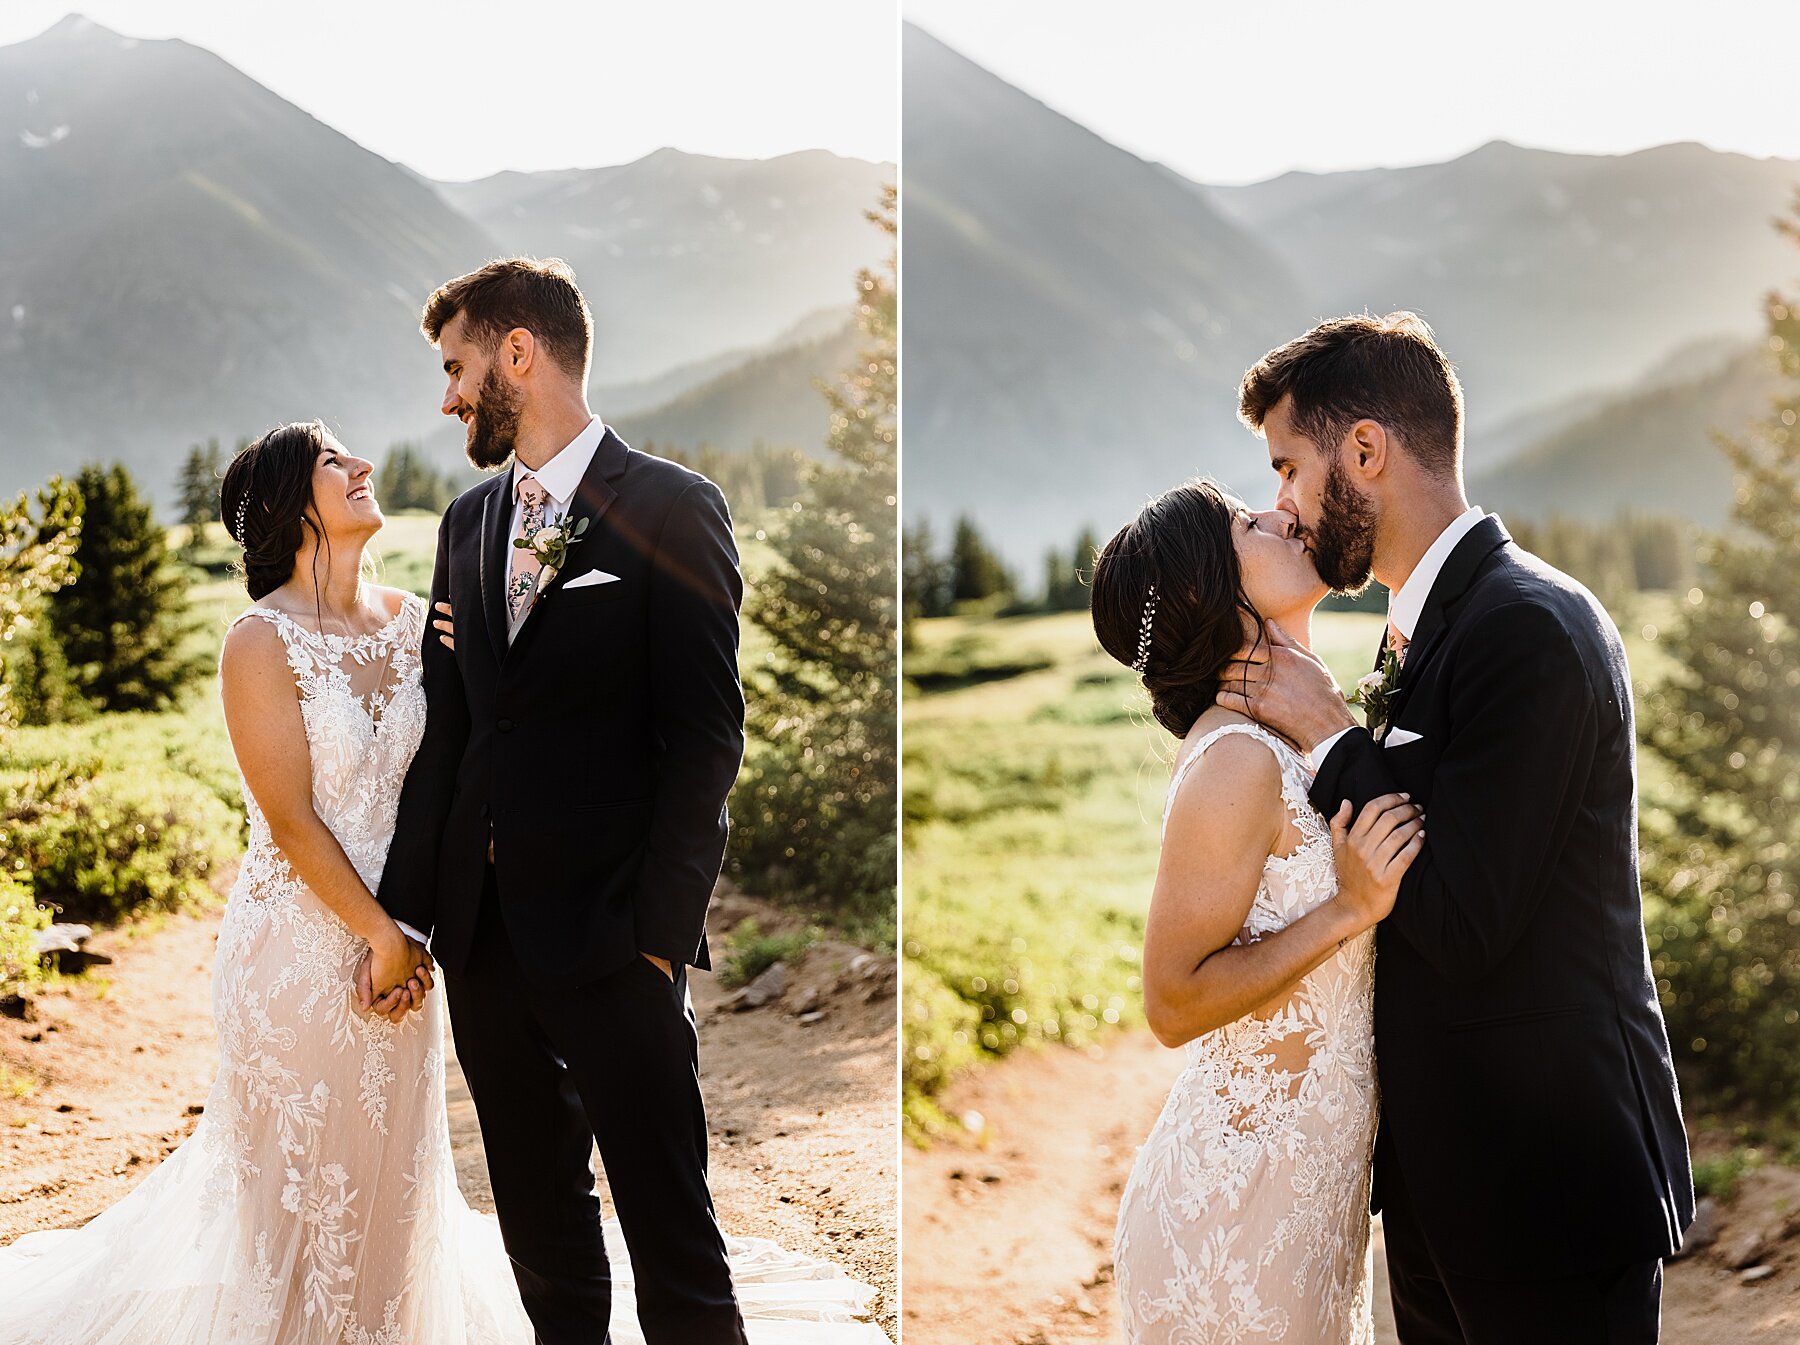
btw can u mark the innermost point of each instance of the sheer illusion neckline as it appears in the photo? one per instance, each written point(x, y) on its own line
point(376, 638)
point(327, 666)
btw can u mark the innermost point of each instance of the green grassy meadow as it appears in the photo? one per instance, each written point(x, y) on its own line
point(1034, 778)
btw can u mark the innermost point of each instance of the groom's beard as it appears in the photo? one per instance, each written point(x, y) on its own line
point(494, 428)
point(1343, 545)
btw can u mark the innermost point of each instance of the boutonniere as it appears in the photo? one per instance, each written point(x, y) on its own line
point(1375, 693)
point(550, 544)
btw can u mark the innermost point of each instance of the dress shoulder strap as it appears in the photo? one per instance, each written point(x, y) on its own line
point(307, 660)
point(1293, 765)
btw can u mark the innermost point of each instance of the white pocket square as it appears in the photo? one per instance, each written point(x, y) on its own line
point(1400, 737)
point(592, 577)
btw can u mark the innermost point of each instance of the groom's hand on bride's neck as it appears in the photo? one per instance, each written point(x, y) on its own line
point(1287, 687)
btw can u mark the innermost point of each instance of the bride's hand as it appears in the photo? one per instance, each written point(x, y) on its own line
point(1374, 854)
point(393, 978)
point(447, 627)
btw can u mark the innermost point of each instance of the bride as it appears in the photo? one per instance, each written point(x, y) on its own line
point(316, 1201)
point(1246, 1213)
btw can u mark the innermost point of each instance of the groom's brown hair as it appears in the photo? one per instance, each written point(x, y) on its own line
point(510, 292)
point(1386, 369)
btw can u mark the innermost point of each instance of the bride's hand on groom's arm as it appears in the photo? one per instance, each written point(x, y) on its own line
point(1373, 851)
point(1287, 687)
point(445, 625)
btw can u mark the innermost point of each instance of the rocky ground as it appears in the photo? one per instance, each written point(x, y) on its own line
point(1008, 1224)
point(107, 1072)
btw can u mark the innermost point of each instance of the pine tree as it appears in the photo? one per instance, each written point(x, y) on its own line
point(1722, 856)
point(406, 480)
point(816, 803)
point(924, 579)
point(1066, 577)
point(122, 622)
point(37, 557)
point(197, 490)
point(976, 571)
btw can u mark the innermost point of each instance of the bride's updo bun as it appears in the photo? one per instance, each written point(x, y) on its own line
point(1180, 542)
point(264, 500)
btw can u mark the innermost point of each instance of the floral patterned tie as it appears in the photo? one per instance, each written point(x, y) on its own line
point(1397, 642)
point(522, 580)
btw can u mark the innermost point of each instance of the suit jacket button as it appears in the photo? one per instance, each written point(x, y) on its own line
point(505, 726)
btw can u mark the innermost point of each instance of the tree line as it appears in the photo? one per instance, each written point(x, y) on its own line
point(1633, 553)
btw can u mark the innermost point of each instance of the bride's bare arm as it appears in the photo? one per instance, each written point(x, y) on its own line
point(1224, 822)
point(262, 714)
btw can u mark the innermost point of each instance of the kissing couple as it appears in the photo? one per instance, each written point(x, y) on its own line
point(1444, 896)
point(539, 790)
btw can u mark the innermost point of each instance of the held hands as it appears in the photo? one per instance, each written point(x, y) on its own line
point(1285, 686)
point(394, 976)
point(1374, 854)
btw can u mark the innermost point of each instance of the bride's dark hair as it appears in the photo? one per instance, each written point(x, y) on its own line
point(266, 501)
point(1182, 543)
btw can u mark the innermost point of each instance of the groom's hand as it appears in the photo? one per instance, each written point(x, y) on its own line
point(1286, 687)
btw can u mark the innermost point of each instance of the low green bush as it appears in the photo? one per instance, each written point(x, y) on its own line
point(107, 843)
point(123, 813)
point(20, 920)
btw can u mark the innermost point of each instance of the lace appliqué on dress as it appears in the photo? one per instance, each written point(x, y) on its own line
point(1246, 1214)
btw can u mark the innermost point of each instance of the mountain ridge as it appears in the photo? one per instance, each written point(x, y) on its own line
point(185, 255)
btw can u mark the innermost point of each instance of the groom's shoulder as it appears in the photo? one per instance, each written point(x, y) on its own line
point(1532, 591)
point(664, 478)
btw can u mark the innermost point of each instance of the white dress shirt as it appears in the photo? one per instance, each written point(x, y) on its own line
point(560, 477)
point(1406, 606)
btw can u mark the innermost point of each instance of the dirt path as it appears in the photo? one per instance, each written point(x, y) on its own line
point(1009, 1238)
point(109, 1074)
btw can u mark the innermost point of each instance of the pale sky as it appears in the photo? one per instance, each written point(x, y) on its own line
point(458, 89)
point(1242, 91)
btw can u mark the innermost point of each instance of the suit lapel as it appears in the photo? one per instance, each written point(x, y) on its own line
point(496, 558)
point(1452, 584)
point(593, 497)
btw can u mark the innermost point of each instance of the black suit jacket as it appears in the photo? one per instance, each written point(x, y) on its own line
point(1527, 1090)
point(600, 747)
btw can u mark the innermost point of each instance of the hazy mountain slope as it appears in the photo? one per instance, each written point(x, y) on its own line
point(1544, 274)
point(684, 257)
point(771, 399)
point(1075, 320)
point(647, 394)
point(184, 254)
point(1650, 451)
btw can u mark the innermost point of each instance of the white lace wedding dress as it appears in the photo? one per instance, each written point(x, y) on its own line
point(316, 1201)
point(1246, 1216)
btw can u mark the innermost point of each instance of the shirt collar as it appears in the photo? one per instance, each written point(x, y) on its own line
point(562, 474)
point(1407, 605)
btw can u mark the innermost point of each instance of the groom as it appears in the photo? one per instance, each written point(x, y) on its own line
point(1531, 1166)
point(564, 820)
